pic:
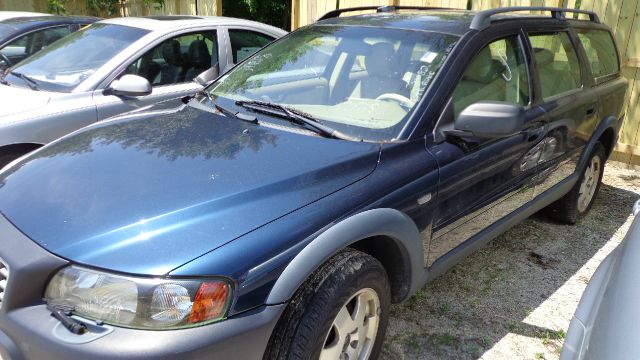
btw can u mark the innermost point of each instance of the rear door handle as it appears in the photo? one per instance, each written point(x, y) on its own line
point(591, 111)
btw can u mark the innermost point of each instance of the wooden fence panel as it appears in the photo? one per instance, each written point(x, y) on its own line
point(131, 7)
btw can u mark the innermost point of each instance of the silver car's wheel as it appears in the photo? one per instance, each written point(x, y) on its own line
point(353, 331)
point(589, 183)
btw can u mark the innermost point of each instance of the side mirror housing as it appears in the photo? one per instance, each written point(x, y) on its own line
point(129, 85)
point(206, 77)
point(491, 119)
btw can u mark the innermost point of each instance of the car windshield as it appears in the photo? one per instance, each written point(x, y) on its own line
point(67, 62)
point(362, 81)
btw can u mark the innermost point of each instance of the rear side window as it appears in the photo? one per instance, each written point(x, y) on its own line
point(245, 42)
point(598, 44)
point(556, 63)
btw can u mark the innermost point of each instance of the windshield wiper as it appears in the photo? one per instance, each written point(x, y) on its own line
point(227, 112)
point(29, 81)
point(296, 117)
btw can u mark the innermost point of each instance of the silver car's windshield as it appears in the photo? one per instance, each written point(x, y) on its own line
point(363, 81)
point(67, 62)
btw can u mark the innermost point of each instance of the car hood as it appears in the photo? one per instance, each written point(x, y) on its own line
point(148, 192)
point(16, 100)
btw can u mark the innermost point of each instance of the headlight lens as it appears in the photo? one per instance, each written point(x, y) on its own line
point(138, 302)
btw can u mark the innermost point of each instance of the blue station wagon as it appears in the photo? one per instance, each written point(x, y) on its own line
point(280, 211)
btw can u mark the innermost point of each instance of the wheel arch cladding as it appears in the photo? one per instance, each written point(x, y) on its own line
point(382, 233)
point(607, 131)
point(607, 138)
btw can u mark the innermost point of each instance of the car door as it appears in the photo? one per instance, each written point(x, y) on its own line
point(170, 68)
point(570, 104)
point(242, 43)
point(24, 46)
point(484, 180)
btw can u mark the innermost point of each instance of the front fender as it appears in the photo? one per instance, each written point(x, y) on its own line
point(387, 222)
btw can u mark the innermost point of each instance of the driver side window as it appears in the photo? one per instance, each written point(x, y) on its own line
point(177, 60)
point(498, 72)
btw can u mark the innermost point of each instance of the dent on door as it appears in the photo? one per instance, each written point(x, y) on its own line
point(479, 189)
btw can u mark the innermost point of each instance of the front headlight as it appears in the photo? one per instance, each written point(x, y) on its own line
point(143, 303)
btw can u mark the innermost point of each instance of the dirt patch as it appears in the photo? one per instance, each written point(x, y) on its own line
point(514, 299)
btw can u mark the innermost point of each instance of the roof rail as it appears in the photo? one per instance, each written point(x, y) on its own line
point(380, 9)
point(482, 20)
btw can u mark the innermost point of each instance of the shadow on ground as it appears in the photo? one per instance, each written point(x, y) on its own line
point(470, 308)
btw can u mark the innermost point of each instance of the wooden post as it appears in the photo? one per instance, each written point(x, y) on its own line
point(295, 14)
point(218, 7)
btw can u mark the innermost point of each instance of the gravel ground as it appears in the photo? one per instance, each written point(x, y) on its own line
point(514, 299)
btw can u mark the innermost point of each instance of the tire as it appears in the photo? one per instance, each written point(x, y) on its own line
point(575, 204)
point(307, 327)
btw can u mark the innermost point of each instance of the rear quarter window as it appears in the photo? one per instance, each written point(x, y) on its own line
point(601, 52)
point(556, 63)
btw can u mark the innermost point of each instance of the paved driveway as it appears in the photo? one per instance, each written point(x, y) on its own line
point(514, 299)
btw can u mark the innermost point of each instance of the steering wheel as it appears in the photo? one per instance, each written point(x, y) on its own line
point(5, 60)
point(404, 101)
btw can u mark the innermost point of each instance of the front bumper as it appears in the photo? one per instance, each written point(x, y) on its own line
point(28, 331)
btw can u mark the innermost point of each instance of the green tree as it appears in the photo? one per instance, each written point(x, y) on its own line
point(272, 12)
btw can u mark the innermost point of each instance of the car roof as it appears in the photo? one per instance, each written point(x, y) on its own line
point(451, 21)
point(154, 23)
point(5, 15)
point(21, 23)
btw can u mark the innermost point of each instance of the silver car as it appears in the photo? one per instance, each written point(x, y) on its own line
point(606, 324)
point(115, 66)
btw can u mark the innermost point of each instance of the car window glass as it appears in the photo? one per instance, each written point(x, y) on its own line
point(33, 42)
point(556, 63)
point(498, 72)
point(63, 65)
point(351, 77)
point(246, 42)
point(598, 45)
point(177, 60)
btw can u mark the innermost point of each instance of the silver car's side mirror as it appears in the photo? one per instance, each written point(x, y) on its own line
point(207, 76)
point(129, 85)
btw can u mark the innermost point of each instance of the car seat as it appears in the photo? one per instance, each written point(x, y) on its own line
point(199, 58)
point(172, 71)
point(382, 75)
point(481, 81)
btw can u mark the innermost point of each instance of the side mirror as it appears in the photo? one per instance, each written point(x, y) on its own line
point(206, 77)
point(490, 119)
point(129, 85)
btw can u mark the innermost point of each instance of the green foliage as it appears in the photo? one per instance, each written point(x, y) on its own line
point(56, 7)
point(98, 7)
point(272, 12)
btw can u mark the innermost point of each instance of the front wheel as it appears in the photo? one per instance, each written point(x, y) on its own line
point(575, 205)
point(339, 313)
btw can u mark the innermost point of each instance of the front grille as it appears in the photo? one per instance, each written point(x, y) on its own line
point(4, 277)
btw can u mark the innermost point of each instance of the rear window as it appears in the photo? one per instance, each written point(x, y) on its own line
point(556, 63)
point(603, 59)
